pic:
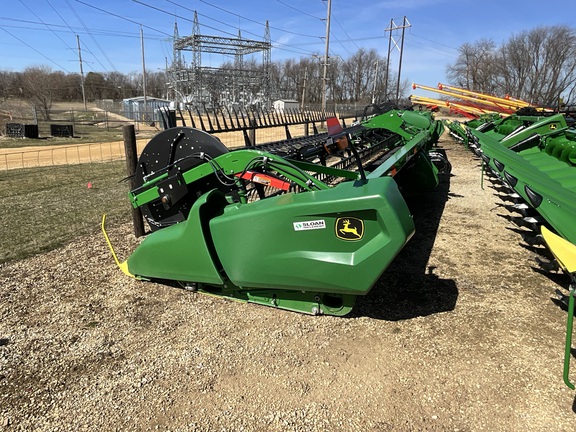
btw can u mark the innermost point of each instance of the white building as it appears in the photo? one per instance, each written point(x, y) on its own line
point(286, 104)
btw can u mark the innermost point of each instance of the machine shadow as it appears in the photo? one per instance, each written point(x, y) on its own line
point(409, 288)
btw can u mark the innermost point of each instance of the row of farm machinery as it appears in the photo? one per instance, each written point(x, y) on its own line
point(309, 224)
point(529, 154)
point(533, 157)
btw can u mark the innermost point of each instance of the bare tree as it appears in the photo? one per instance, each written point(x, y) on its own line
point(41, 86)
point(539, 65)
point(156, 84)
point(6, 79)
point(357, 74)
point(94, 86)
point(117, 86)
point(475, 66)
point(68, 87)
point(351, 80)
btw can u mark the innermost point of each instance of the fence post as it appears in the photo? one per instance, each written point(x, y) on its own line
point(129, 135)
point(252, 130)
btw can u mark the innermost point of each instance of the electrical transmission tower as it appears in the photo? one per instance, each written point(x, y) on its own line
point(232, 85)
point(394, 27)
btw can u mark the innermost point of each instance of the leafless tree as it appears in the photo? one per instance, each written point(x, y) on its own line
point(94, 86)
point(538, 66)
point(358, 73)
point(6, 79)
point(41, 86)
point(475, 66)
point(156, 84)
point(349, 81)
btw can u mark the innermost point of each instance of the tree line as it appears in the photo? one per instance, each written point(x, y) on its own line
point(41, 86)
point(357, 79)
point(538, 66)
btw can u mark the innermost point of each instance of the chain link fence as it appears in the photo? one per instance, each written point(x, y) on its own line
point(95, 135)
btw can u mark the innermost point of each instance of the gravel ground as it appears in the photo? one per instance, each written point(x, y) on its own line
point(459, 334)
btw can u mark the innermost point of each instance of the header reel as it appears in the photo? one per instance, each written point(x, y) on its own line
point(163, 161)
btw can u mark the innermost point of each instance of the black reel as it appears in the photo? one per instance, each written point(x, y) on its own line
point(173, 152)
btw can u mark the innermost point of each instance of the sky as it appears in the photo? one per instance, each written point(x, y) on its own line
point(44, 32)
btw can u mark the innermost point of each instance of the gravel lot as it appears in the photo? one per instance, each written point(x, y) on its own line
point(459, 334)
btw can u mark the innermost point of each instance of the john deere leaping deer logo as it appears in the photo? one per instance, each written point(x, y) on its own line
point(349, 228)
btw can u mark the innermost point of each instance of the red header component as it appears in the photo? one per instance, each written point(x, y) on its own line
point(265, 179)
point(334, 127)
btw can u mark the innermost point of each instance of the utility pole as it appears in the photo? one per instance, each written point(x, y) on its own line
point(404, 25)
point(143, 73)
point(304, 90)
point(375, 81)
point(326, 57)
point(394, 26)
point(81, 73)
point(388, 61)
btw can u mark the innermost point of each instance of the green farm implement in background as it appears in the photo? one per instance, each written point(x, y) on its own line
point(534, 158)
point(305, 225)
point(565, 254)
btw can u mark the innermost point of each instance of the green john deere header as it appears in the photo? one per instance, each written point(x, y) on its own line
point(305, 226)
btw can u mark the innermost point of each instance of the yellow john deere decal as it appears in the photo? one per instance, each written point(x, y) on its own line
point(553, 126)
point(349, 228)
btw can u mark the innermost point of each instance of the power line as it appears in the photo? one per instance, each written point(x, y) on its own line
point(55, 34)
point(93, 39)
point(95, 58)
point(123, 18)
point(34, 49)
point(248, 19)
point(434, 42)
point(299, 11)
point(181, 17)
point(212, 19)
point(341, 44)
point(65, 22)
point(346, 33)
point(430, 48)
point(60, 29)
point(213, 28)
point(307, 53)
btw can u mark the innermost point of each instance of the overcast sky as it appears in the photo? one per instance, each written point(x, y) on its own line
point(43, 32)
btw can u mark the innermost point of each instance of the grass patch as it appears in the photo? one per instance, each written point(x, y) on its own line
point(44, 208)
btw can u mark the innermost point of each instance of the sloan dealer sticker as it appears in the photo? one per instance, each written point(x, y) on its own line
point(309, 225)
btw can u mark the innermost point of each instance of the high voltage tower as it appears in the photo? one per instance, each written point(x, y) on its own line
point(232, 85)
point(393, 27)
